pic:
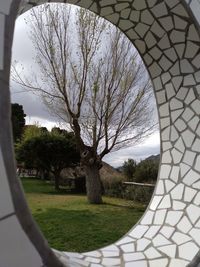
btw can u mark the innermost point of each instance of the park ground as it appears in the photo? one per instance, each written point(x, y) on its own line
point(69, 223)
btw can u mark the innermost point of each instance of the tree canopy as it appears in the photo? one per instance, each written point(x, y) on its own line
point(129, 168)
point(146, 171)
point(142, 172)
point(48, 152)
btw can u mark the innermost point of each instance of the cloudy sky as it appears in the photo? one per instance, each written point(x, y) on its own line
point(35, 110)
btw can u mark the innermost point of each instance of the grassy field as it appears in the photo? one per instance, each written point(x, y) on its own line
point(69, 223)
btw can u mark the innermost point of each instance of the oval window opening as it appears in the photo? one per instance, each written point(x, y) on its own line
point(90, 124)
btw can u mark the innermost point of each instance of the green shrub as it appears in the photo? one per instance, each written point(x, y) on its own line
point(139, 193)
point(114, 187)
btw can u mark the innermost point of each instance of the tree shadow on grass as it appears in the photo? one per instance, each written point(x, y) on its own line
point(34, 185)
point(84, 230)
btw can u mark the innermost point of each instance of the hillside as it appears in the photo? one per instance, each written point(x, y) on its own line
point(106, 172)
point(154, 158)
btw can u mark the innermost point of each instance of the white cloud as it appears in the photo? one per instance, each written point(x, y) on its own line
point(41, 122)
point(150, 147)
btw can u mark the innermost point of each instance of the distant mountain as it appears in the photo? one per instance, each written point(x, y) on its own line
point(154, 158)
point(108, 171)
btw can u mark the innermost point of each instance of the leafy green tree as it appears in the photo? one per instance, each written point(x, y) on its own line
point(31, 131)
point(44, 130)
point(51, 153)
point(129, 168)
point(18, 121)
point(59, 131)
point(146, 171)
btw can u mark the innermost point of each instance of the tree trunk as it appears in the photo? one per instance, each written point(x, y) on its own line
point(42, 175)
point(57, 180)
point(93, 184)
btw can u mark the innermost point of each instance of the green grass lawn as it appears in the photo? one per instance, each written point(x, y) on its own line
point(69, 223)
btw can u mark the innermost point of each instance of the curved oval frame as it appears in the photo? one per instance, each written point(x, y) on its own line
point(165, 32)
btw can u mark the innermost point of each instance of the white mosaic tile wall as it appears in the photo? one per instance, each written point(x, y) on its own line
point(195, 6)
point(168, 235)
point(15, 248)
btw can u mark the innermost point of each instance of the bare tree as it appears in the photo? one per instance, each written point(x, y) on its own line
point(93, 79)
